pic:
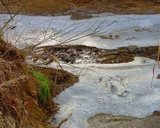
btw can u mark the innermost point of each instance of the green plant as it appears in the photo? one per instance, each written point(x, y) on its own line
point(1, 33)
point(44, 86)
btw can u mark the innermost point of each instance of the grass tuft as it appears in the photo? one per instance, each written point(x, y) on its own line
point(1, 34)
point(44, 86)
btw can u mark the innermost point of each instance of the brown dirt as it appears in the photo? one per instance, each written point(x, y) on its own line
point(51, 7)
point(102, 120)
point(70, 53)
point(19, 90)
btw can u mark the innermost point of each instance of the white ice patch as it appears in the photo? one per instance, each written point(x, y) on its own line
point(120, 89)
point(140, 30)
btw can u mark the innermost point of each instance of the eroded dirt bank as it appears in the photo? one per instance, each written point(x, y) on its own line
point(19, 90)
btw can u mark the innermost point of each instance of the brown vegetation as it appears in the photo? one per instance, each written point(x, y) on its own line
point(19, 105)
point(50, 7)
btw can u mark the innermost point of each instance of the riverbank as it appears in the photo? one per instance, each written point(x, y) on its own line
point(80, 8)
point(20, 90)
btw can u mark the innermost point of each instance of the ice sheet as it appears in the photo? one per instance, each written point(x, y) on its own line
point(120, 30)
point(119, 89)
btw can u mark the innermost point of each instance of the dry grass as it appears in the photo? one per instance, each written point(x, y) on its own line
point(19, 90)
point(7, 122)
point(50, 7)
point(39, 6)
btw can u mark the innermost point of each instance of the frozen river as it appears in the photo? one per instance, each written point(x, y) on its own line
point(120, 89)
point(103, 31)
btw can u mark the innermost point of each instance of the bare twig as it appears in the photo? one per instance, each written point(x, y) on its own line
point(11, 17)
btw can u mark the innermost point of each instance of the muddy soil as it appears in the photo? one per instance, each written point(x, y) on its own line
point(110, 121)
point(75, 54)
